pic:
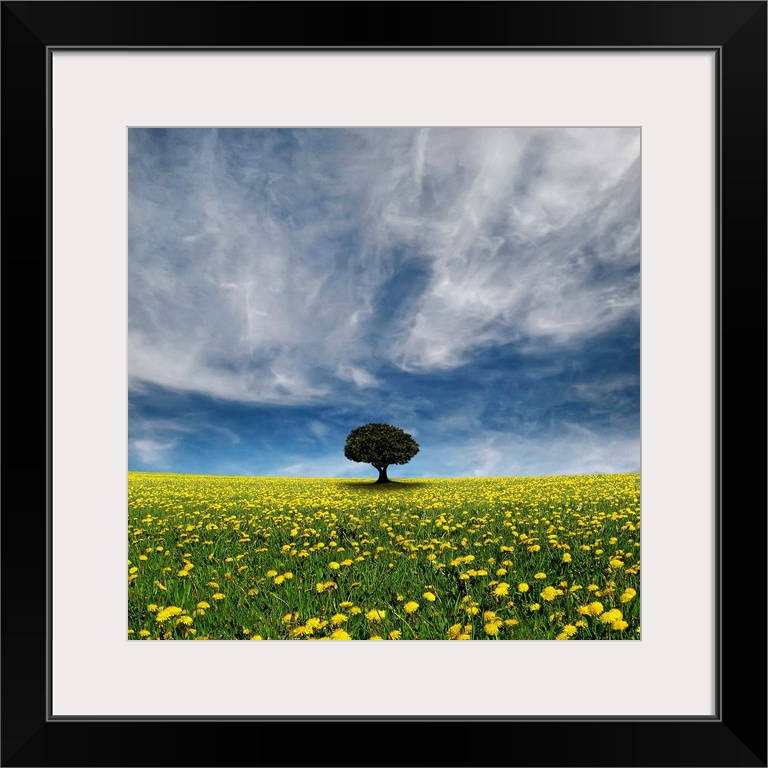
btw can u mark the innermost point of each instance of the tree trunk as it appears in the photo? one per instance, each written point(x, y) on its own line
point(382, 475)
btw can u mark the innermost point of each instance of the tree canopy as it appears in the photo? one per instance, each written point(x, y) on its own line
point(380, 445)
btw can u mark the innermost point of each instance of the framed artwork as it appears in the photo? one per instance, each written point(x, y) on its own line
point(256, 244)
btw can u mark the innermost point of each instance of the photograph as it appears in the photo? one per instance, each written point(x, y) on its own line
point(384, 383)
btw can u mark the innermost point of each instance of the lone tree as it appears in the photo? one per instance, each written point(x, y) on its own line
point(380, 445)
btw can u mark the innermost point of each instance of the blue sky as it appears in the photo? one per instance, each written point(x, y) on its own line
point(477, 287)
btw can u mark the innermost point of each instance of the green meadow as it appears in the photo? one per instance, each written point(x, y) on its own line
point(258, 558)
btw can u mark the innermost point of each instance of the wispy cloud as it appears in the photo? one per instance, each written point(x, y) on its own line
point(152, 451)
point(319, 252)
point(576, 451)
point(317, 268)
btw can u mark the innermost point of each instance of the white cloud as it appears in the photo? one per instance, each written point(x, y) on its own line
point(598, 391)
point(578, 451)
point(359, 376)
point(262, 266)
point(519, 251)
point(327, 467)
point(152, 451)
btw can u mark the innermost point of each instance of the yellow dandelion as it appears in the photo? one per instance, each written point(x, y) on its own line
point(454, 632)
point(491, 628)
point(595, 609)
point(523, 587)
point(502, 589)
point(620, 624)
point(411, 606)
point(610, 616)
point(340, 634)
point(218, 596)
point(375, 615)
point(540, 575)
point(395, 634)
point(166, 613)
point(550, 593)
point(429, 597)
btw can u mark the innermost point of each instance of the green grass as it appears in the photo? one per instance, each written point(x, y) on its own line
point(347, 549)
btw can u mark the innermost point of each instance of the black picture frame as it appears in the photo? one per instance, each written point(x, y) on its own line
point(736, 735)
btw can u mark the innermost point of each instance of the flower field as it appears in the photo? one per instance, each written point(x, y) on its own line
point(256, 558)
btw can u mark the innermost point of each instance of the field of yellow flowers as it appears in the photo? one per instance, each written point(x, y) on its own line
point(257, 558)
